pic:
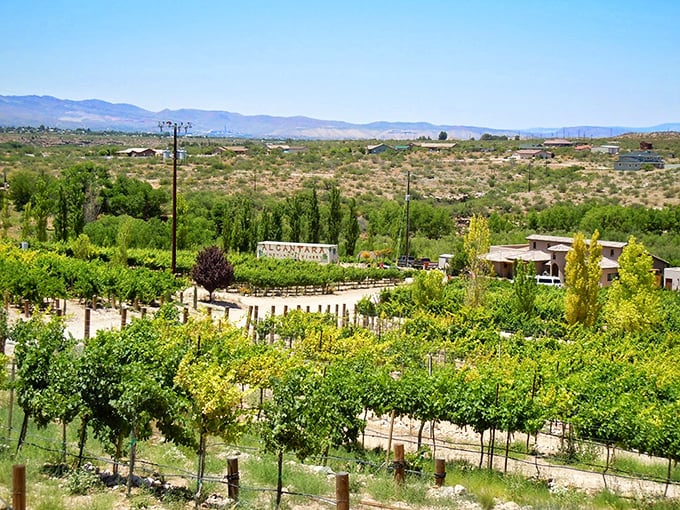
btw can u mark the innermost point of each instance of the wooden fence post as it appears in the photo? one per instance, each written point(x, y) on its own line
point(86, 334)
point(19, 487)
point(285, 310)
point(232, 478)
point(399, 464)
point(256, 316)
point(342, 491)
point(439, 472)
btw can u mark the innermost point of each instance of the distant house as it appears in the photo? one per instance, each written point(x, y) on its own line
point(582, 148)
point(286, 149)
point(606, 149)
point(532, 154)
point(549, 255)
point(436, 147)
point(557, 142)
point(236, 149)
point(138, 152)
point(378, 149)
point(635, 160)
point(671, 278)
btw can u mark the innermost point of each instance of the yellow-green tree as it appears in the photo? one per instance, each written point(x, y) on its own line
point(476, 246)
point(428, 287)
point(632, 301)
point(582, 279)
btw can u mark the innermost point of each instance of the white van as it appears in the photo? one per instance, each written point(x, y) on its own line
point(544, 279)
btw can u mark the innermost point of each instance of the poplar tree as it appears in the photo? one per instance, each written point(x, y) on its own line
point(632, 300)
point(476, 246)
point(582, 280)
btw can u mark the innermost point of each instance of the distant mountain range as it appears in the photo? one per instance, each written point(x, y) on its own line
point(96, 115)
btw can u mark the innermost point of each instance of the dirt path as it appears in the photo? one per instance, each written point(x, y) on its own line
point(455, 444)
point(236, 307)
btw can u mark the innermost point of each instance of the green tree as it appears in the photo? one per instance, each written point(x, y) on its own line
point(352, 229)
point(313, 218)
point(632, 301)
point(21, 187)
point(427, 288)
point(524, 287)
point(295, 211)
point(443, 135)
point(582, 275)
point(476, 246)
point(334, 215)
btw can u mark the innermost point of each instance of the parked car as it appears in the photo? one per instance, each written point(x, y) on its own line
point(402, 262)
point(544, 279)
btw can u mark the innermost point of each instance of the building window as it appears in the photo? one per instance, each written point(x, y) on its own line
point(534, 245)
point(612, 276)
point(611, 253)
point(554, 256)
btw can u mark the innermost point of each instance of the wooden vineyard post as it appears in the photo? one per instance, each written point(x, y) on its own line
point(86, 334)
point(399, 464)
point(185, 315)
point(19, 487)
point(195, 297)
point(256, 315)
point(342, 491)
point(232, 478)
point(248, 315)
point(226, 313)
point(439, 472)
point(123, 317)
point(271, 333)
point(285, 310)
point(11, 399)
point(27, 308)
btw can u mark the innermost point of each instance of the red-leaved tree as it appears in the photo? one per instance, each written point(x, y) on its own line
point(212, 270)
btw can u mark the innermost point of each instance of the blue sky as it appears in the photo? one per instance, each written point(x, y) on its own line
point(500, 64)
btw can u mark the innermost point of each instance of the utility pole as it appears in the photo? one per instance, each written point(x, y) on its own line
point(175, 128)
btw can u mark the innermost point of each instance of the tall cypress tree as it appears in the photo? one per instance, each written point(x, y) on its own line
point(334, 216)
point(313, 219)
